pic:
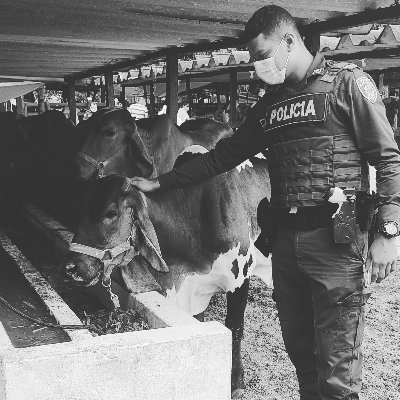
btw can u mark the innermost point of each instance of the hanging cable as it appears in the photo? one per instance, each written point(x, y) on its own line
point(43, 323)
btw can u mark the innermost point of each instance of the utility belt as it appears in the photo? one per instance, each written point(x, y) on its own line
point(358, 209)
point(305, 218)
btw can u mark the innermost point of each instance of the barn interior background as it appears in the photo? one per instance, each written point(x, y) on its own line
point(151, 57)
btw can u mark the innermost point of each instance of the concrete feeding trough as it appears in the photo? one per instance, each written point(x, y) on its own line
point(177, 358)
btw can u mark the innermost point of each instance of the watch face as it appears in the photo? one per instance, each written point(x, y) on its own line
point(390, 228)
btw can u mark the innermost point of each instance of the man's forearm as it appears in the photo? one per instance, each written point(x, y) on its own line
point(192, 172)
point(388, 188)
point(229, 152)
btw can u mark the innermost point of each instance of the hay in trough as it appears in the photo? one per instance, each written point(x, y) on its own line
point(103, 322)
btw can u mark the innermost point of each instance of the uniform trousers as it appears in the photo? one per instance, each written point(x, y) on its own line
point(320, 297)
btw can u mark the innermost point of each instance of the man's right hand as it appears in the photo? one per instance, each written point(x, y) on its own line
point(145, 185)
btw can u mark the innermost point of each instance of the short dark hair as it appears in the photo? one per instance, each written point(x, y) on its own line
point(268, 20)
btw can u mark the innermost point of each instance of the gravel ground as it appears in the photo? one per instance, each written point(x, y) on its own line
point(269, 375)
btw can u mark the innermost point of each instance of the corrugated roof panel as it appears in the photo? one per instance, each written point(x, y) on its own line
point(66, 37)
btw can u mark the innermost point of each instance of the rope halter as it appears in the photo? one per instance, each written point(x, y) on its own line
point(107, 258)
point(100, 166)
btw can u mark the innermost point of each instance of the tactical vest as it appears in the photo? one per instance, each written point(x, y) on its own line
point(313, 146)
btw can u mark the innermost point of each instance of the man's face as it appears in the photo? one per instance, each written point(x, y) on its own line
point(262, 47)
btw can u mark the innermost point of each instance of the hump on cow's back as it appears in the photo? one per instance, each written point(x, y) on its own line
point(201, 125)
point(157, 121)
point(188, 154)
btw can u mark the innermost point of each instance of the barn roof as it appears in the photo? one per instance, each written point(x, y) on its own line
point(376, 51)
point(51, 40)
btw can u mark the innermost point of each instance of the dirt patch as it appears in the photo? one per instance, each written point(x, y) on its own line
point(269, 374)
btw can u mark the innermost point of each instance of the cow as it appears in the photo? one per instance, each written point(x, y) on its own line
point(13, 137)
point(114, 144)
point(8, 139)
point(203, 235)
point(39, 150)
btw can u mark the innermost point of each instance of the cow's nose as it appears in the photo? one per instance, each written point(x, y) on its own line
point(71, 271)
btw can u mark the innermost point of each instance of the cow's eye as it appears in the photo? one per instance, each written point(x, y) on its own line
point(110, 214)
point(109, 133)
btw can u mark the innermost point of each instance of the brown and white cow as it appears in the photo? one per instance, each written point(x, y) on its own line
point(116, 144)
point(204, 234)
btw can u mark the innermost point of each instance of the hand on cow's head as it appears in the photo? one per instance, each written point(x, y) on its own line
point(113, 212)
point(145, 185)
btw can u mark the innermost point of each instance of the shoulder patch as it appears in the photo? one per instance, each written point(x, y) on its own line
point(367, 89)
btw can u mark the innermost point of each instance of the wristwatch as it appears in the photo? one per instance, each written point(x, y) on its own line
point(389, 229)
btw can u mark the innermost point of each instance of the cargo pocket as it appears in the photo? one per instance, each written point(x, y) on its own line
point(360, 246)
point(351, 321)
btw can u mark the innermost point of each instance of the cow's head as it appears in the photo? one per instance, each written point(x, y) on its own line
point(112, 145)
point(115, 230)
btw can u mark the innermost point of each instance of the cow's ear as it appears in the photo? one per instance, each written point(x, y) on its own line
point(147, 245)
point(146, 241)
point(139, 154)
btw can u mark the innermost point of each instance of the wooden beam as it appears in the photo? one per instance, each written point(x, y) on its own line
point(71, 101)
point(20, 105)
point(233, 96)
point(102, 91)
point(76, 44)
point(201, 73)
point(368, 52)
point(145, 93)
point(161, 54)
point(41, 96)
point(380, 82)
point(152, 99)
point(172, 84)
point(218, 92)
point(109, 89)
point(123, 96)
point(188, 94)
point(32, 78)
point(361, 18)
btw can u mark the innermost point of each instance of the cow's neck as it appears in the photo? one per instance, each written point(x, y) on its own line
point(164, 147)
point(176, 226)
point(202, 220)
point(121, 164)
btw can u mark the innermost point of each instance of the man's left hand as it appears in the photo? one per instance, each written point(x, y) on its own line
point(382, 258)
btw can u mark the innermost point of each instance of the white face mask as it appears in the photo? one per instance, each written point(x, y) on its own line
point(267, 71)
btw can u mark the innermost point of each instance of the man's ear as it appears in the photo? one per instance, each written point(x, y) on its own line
point(290, 41)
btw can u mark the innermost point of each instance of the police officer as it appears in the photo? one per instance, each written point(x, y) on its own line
point(322, 122)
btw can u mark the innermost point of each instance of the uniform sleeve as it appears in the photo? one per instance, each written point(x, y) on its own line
point(359, 98)
point(229, 152)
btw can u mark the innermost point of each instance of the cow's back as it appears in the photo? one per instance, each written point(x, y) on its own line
point(164, 141)
point(205, 131)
